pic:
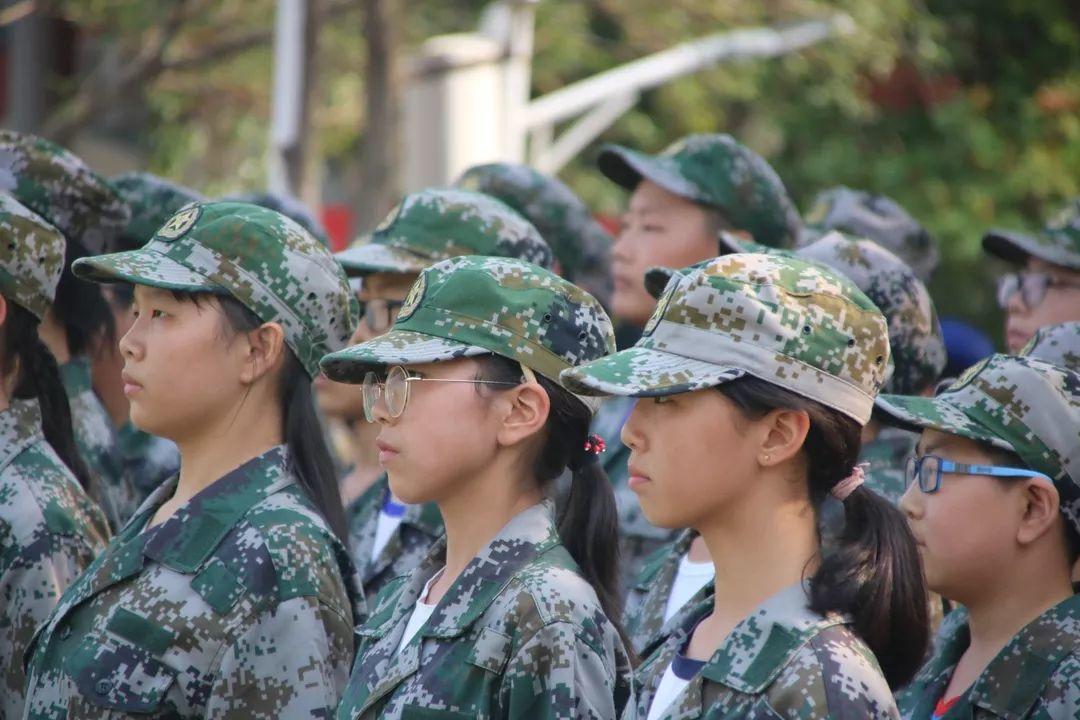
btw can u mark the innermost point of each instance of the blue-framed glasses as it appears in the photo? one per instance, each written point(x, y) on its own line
point(928, 470)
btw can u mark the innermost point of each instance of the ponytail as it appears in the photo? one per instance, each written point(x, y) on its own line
point(871, 570)
point(39, 378)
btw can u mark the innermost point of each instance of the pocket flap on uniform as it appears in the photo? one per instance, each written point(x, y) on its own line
point(490, 651)
point(140, 631)
point(119, 675)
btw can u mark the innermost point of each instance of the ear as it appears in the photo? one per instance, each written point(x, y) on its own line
point(526, 412)
point(782, 434)
point(1041, 508)
point(264, 352)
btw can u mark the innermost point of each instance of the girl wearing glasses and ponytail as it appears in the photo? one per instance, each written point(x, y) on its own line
point(507, 617)
point(753, 378)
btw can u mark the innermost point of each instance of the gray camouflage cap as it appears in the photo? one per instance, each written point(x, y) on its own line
point(1058, 243)
point(1020, 404)
point(796, 324)
point(153, 200)
point(440, 223)
point(1056, 344)
point(580, 244)
point(261, 258)
point(874, 217)
point(470, 306)
point(290, 207)
point(717, 171)
point(31, 257)
point(61, 188)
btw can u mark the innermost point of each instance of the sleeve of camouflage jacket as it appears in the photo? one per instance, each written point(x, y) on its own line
point(292, 662)
point(555, 674)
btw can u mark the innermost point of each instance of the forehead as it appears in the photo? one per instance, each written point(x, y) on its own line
point(1035, 264)
point(949, 445)
point(648, 197)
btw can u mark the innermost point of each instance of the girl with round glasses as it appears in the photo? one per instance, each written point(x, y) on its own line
point(507, 617)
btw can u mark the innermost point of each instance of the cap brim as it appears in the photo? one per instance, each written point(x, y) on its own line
point(645, 372)
point(626, 168)
point(397, 347)
point(376, 257)
point(921, 413)
point(142, 267)
point(1012, 247)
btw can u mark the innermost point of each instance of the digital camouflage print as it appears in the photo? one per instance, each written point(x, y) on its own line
point(716, 171)
point(265, 261)
point(31, 257)
point(51, 532)
point(581, 246)
point(1035, 676)
point(782, 661)
point(239, 605)
point(1058, 243)
point(290, 207)
point(152, 200)
point(441, 223)
point(1056, 344)
point(520, 634)
point(61, 188)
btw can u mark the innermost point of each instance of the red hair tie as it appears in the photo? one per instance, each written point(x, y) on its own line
point(594, 445)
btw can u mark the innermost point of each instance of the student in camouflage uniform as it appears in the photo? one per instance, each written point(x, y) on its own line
point(994, 500)
point(428, 226)
point(681, 199)
point(230, 592)
point(50, 529)
point(505, 617)
point(1046, 290)
point(781, 359)
point(65, 192)
point(1056, 344)
point(582, 247)
point(148, 460)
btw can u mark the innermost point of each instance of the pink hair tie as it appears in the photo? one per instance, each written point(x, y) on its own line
point(845, 487)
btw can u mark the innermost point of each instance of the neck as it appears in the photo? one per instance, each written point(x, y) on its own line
point(52, 334)
point(870, 431)
point(365, 460)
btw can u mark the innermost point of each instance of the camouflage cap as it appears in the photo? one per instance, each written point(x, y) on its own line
point(874, 217)
point(290, 207)
point(1057, 244)
point(153, 200)
point(717, 171)
point(255, 255)
point(440, 223)
point(796, 324)
point(472, 305)
point(1056, 344)
point(31, 257)
point(1021, 404)
point(61, 188)
point(580, 244)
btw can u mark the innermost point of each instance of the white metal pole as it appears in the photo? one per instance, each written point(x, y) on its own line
point(288, 91)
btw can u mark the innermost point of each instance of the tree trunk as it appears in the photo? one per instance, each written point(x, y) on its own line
point(380, 156)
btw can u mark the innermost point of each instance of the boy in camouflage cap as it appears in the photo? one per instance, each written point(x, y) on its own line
point(1057, 345)
point(1047, 289)
point(994, 501)
point(52, 529)
point(582, 247)
point(465, 390)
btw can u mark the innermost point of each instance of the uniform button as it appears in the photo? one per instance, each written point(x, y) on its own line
point(65, 632)
point(102, 687)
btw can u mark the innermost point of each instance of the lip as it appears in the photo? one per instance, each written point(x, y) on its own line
point(131, 385)
point(636, 479)
point(387, 452)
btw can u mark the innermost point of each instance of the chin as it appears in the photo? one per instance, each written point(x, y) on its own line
point(630, 308)
point(406, 489)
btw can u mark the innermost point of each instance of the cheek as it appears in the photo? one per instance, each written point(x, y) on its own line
point(961, 544)
point(1057, 307)
point(686, 245)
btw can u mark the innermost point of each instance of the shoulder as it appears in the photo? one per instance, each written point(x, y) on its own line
point(1061, 694)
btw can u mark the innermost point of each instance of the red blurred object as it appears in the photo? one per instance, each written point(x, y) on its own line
point(906, 87)
point(338, 220)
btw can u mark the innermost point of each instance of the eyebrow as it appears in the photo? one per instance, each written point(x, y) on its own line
point(920, 451)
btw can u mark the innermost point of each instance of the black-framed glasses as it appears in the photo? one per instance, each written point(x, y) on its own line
point(394, 391)
point(379, 314)
point(928, 470)
point(1032, 287)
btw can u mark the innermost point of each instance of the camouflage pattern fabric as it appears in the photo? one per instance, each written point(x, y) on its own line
point(1058, 243)
point(1019, 404)
point(239, 605)
point(520, 634)
point(420, 527)
point(781, 661)
point(153, 200)
point(580, 244)
point(718, 172)
point(290, 207)
point(31, 257)
point(1034, 676)
point(148, 460)
point(437, 224)
point(874, 217)
point(95, 438)
point(789, 322)
point(50, 532)
point(61, 188)
point(886, 457)
point(259, 257)
point(1057, 345)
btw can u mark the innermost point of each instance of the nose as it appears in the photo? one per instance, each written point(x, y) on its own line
point(631, 433)
point(622, 249)
point(911, 502)
point(379, 412)
point(131, 344)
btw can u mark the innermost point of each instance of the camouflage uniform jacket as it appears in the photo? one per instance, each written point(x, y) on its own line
point(96, 440)
point(148, 460)
point(235, 606)
point(420, 527)
point(519, 634)
point(1037, 675)
point(49, 532)
point(782, 661)
point(643, 618)
point(640, 538)
point(886, 457)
